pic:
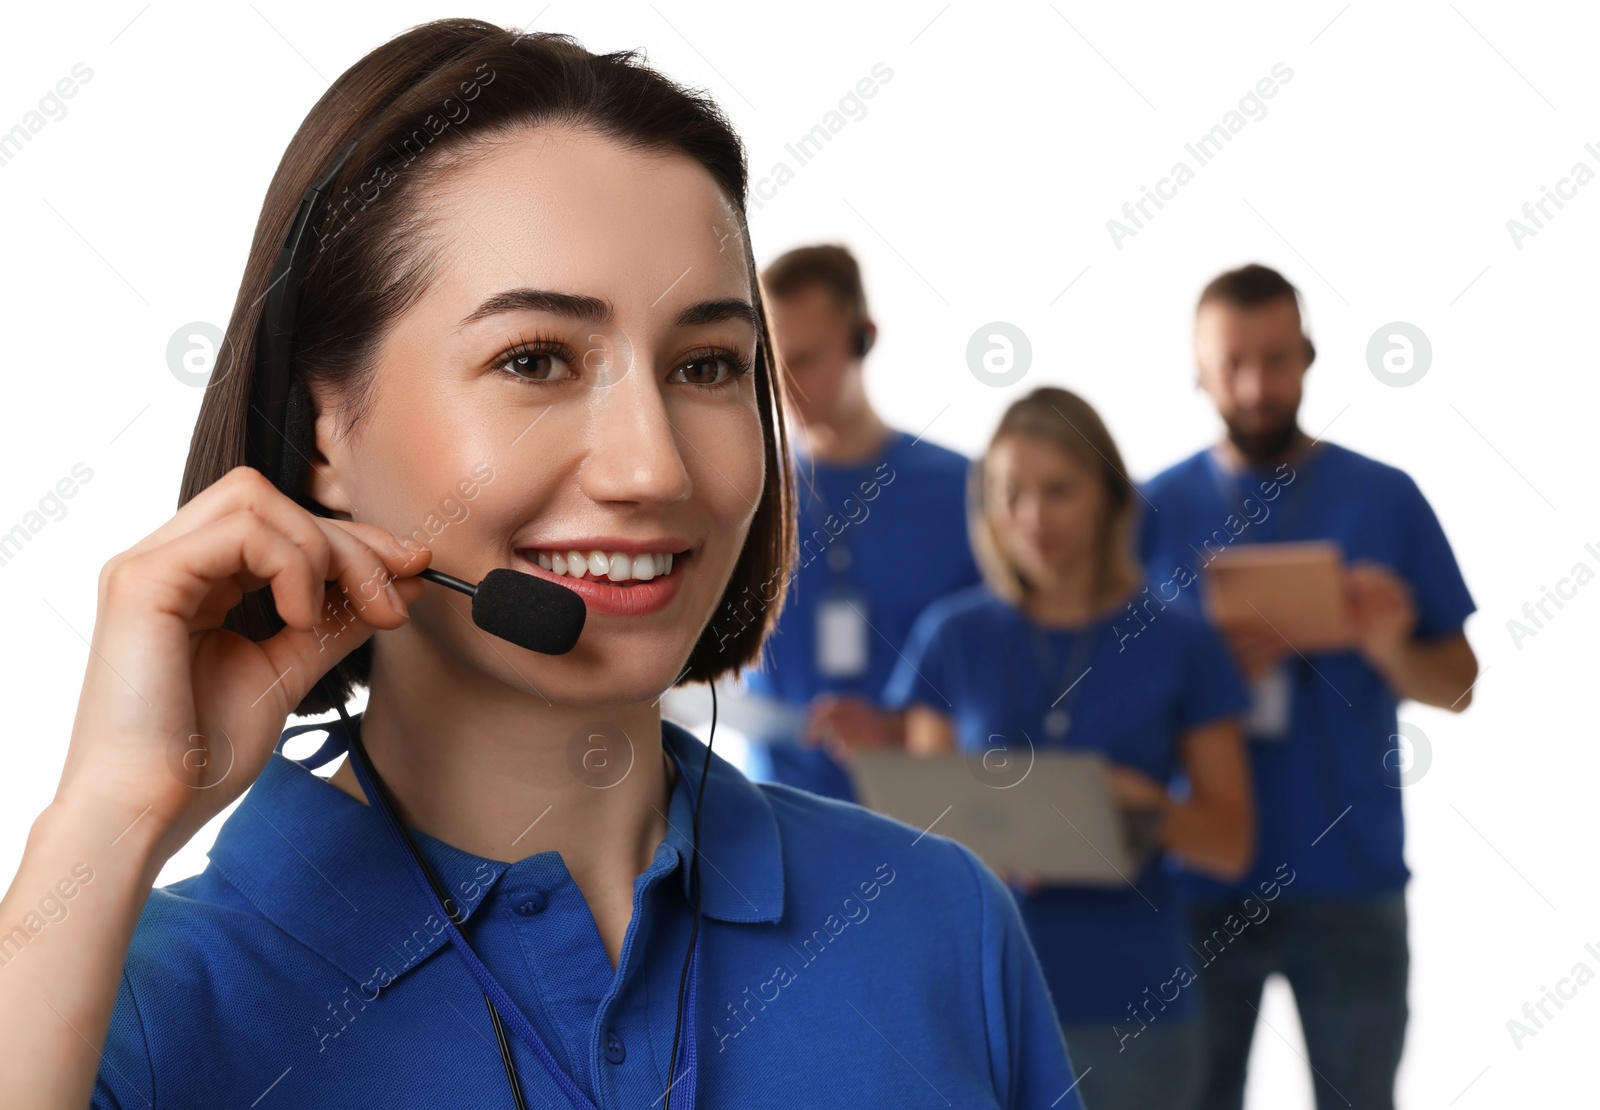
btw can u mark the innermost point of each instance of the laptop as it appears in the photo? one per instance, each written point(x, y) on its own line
point(1051, 813)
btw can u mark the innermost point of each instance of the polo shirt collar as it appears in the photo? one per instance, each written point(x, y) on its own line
point(319, 864)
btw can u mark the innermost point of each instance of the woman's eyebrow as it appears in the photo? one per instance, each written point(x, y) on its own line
point(594, 310)
point(589, 310)
point(714, 312)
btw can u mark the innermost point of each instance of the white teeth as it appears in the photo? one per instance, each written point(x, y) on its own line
point(614, 566)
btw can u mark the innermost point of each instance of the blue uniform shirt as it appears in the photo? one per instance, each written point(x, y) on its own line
point(1337, 756)
point(889, 535)
point(843, 962)
point(971, 657)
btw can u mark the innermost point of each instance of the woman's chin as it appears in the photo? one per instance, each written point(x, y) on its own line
point(609, 689)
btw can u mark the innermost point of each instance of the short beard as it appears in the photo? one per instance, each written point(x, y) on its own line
point(1264, 447)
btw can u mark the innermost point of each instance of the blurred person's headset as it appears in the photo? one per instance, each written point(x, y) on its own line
point(866, 335)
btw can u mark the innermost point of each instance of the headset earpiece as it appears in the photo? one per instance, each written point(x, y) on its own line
point(299, 432)
point(866, 336)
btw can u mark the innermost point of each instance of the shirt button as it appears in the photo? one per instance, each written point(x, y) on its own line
point(615, 1052)
point(533, 903)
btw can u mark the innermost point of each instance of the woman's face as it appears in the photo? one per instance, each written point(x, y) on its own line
point(576, 380)
point(1044, 505)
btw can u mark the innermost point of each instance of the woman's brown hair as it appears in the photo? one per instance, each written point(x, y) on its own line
point(375, 257)
point(1066, 421)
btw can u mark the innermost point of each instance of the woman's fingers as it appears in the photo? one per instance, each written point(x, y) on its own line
point(246, 551)
point(243, 488)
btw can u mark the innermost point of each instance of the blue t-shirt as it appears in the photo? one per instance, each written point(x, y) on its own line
point(891, 536)
point(1328, 790)
point(972, 657)
point(844, 960)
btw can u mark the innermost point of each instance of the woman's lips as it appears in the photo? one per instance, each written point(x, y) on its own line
point(632, 598)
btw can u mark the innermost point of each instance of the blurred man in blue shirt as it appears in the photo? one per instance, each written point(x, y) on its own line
point(1323, 727)
point(882, 531)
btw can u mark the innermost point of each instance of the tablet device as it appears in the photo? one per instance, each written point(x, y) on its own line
point(1052, 813)
point(1296, 588)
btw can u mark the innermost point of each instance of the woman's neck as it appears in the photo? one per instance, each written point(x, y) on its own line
point(516, 776)
point(854, 436)
point(1068, 598)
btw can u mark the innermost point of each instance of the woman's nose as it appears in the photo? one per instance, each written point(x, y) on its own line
point(1028, 514)
point(635, 454)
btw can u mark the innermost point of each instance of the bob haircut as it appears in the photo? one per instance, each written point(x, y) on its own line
point(1067, 422)
point(422, 104)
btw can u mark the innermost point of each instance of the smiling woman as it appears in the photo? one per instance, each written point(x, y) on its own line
point(543, 295)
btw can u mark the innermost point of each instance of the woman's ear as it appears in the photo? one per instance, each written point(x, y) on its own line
point(329, 465)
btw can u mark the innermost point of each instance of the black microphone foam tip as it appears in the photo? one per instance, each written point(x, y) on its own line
point(529, 611)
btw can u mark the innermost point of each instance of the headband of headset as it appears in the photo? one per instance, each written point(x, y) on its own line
point(279, 428)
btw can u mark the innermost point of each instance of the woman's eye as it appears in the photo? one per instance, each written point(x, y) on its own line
point(536, 365)
point(552, 364)
point(709, 370)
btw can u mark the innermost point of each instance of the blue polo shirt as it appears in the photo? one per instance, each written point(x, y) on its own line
point(889, 534)
point(1143, 685)
point(1327, 790)
point(843, 962)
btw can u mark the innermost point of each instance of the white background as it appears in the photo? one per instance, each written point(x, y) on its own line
point(976, 188)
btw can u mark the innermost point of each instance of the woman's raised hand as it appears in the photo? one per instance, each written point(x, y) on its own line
point(177, 715)
point(175, 719)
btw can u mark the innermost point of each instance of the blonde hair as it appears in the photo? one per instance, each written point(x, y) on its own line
point(1066, 421)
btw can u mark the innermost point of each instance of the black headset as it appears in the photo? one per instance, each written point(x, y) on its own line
point(281, 416)
point(866, 335)
point(280, 407)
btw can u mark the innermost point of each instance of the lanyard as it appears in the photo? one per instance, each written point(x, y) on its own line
point(509, 1010)
point(837, 556)
point(1228, 490)
point(1058, 718)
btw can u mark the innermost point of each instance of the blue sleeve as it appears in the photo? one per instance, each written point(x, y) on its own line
point(1429, 567)
point(126, 1078)
point(1027, 1052)
point(919, 675)
point(1213, 687)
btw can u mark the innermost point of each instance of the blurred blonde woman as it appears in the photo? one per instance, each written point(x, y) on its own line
point(1062, 647)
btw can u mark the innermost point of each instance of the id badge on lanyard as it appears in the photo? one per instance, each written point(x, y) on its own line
point(842, 635)
point(842, 630)
point(1271, 695)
